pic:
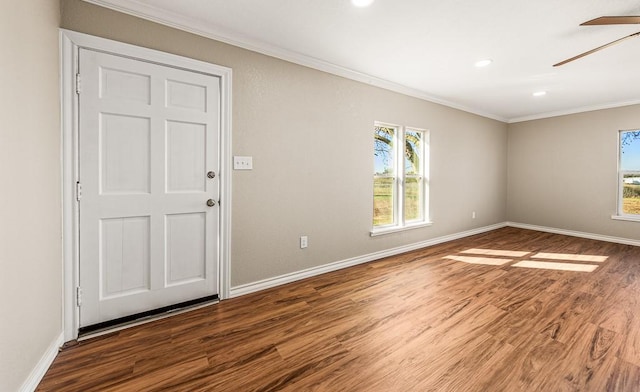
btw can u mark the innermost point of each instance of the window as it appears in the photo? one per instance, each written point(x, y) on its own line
point(629, 175)
point(400, 180)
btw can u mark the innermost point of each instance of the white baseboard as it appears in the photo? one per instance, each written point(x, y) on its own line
point(581, 234)
point(314, 271)
point(38, 372)
point(31, 383)
point(310, 272)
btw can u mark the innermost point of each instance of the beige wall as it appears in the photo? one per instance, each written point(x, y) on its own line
point(310, 135)
point(311, 138)
point(562, 171)
point(30, 233)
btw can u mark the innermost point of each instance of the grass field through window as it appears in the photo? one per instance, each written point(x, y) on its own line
point(631, 199)
point(383, 201)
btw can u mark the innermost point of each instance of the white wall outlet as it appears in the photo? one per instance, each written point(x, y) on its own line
point(242, 163)
point(304, 242)
point(473, 215)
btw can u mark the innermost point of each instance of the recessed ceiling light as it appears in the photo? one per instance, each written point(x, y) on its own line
point(539, 93)
point(362, 3)
point(483, 63)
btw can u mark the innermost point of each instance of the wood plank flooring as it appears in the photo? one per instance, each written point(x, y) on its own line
point(414, 322)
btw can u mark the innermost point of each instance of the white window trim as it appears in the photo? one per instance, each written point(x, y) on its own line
point(396, 229)
point(626, 217)
point(398, 204)
point(620, 215)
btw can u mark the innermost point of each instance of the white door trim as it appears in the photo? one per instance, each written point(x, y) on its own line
point(70, 43)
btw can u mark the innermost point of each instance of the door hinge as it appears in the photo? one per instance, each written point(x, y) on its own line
point(78, 296)
point(78, 84)
point(78, 191)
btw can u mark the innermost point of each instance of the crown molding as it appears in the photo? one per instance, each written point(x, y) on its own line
point(582, 109)
point(145, 11)
point(155, 14)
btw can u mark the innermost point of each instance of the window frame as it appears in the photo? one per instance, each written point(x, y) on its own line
point(399, 175)
point(620, 214)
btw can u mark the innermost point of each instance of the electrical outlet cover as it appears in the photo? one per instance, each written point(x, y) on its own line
point(242, 163)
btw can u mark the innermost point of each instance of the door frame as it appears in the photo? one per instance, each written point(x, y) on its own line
point(70, 44)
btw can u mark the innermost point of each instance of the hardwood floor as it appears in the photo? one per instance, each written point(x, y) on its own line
point(415, 322)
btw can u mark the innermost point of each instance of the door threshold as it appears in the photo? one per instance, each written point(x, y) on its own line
point(107, 327)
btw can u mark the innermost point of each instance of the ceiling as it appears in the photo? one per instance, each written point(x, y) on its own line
point(427, 48)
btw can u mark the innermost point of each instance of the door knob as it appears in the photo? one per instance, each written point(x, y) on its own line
point(211, 174)
point(211, 203)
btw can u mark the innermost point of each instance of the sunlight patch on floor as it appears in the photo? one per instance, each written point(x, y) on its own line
point(551, 265)
point(496, 252)
point(479, 260)
point(570, 257)
point(498, 257)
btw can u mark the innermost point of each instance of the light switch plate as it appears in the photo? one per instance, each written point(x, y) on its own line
point(242, 163)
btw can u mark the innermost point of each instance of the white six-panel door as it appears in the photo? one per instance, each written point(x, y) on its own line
point(148, 147)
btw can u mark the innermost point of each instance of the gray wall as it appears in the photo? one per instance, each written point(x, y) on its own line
point(562, 171)
point(30, 247)
point(310, 135)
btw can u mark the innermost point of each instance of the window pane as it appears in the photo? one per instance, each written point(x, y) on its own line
point(412, 199)
point(630, 150)
point(383, 195)
point(412, 152)
point(630, 168)
point(383, 151)
point(631, 194)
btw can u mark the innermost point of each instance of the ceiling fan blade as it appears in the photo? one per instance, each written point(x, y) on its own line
point(597, 49)
point(612, 20)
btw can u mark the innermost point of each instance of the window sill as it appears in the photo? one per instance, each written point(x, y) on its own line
point(629, 218)
point(396, 229)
